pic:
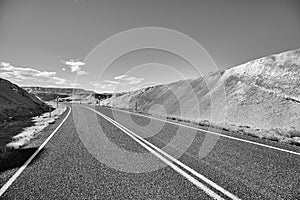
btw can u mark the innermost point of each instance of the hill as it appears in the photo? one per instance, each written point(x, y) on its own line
point(261, 95)
point(16, 102)
point(66, 94)
point(56, 90)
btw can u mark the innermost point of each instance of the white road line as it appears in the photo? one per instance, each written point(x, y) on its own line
point(21, 169)
point(150, 148)
point(214, 133)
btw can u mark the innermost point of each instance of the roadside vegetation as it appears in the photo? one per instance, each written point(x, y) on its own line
point(17, 134)
point(285, 135)
point(260, 98)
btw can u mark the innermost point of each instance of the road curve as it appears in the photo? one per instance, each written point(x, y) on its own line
point(66, 168)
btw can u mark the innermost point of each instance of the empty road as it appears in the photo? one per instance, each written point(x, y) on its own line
point(110, 154)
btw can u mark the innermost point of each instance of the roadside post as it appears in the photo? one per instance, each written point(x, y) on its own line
point(50, 111)
point(136, 106)
point(57, 98)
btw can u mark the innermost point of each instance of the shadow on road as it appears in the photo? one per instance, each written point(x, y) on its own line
point(15, 158)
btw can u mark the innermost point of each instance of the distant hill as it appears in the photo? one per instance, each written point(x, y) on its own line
point(67, 94)
point(56, 90)
point(16, 102)
point(264, 93)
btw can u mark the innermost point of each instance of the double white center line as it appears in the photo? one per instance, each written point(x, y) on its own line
point(173, 163)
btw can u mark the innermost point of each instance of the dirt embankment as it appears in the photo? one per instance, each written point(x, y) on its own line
point(259, 98)
point(17, 107)
point(17, 103)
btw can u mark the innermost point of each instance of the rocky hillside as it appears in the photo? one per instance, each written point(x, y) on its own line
point(265, 92)
point(261, 94)
point(16, 102)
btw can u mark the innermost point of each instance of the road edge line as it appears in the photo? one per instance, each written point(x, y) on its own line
point(214, 133)
point(23, 167)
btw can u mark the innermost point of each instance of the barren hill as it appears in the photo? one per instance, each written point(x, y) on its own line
point(66, 94)
point(55, 90)
point(15, 102)
point(264, 93)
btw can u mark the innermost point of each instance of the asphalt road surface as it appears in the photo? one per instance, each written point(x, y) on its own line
point(110, 154)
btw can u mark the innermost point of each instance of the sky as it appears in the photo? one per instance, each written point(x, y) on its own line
point(107, 45)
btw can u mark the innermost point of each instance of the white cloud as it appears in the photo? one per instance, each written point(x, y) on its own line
point(4, 64)
point(106, 86)
point(81, 72)
point(103, 87)
point(113, 82)
point(121, 77)
point(95, 84)
point(75, 66)
point(134, 80)
point(131, 80)
point(124, 82)
point(74, 84)
point(19, 74)
point(58, 80)
point(74, 62)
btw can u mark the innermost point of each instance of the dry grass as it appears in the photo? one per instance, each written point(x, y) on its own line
point(262, 98)
point(284, 135)
point(39, 123)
